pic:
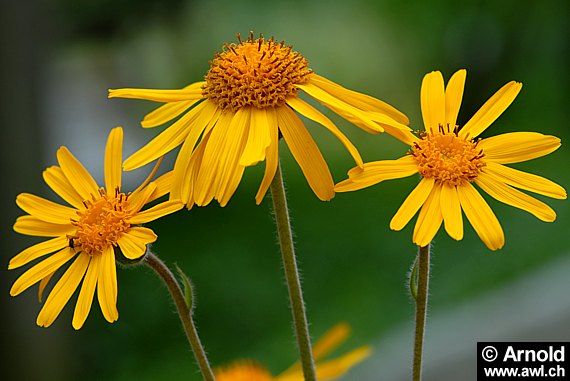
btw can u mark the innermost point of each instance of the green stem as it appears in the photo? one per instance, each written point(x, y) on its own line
point(421, 309)
point(292, 275)
point(184, 312)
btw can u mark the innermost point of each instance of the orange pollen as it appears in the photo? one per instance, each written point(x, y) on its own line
point(447, 158)
point(256, 73)
point(101, 224)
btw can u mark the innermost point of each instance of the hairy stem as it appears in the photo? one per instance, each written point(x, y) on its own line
point(421, 309)
point(184, 312)
point(292, 275)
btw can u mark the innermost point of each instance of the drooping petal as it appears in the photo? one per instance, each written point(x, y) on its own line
point(342, 108)
point(43, 284)
point(376, 172)
point(107, 290)
point(208, 178)
point(63, 290)
point(191, 92)
point(133, 242)
point(514, 147)
point(429, 219)
point(306, 153)
point(166, 113)
point(524, 180)
point(451, 212)
point(312, 113)
point(38, 250)
point(258, 138)
point(114, 160)
point(359, 100)
point(453, 97)
point(163, 186)
point(481, 217)
point(433, 101)
point(271, 155)
point(412, 204)
point(491, 110)
point(41, 270)
point(186, 169)
point(156, 212)
point(45, 210)
point(140, 198)
point(76, 174)
point(30, 225)
point(56, 180)
point(516, 198)
point(85, 298)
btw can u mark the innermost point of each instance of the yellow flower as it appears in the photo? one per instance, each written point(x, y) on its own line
point(450, 159)
point(246, 103)
point(99, 221)
point(247, 370)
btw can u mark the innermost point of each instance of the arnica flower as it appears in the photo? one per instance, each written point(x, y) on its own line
point(246, 103)
point(100, 224)
point(247, 370)
point(451, 159)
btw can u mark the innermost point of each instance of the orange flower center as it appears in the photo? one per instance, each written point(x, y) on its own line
point(243, 371)
point(255, 73)
point(448, 158)
point(101, 224)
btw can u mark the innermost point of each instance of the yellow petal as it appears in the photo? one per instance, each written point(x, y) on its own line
point(43, 284)
point(114, 160)
point(524, 180)
point(191, 92)
point(453, 98)
point(107, 286)
point(481, 217)
point(85, 298)
point(433, 101)
point(258, 138)
point(400, 131)
point(41, 270)
point(163, 186)
point(137, 200)
point(76, 174)
point(333, 369)
point(429, 219)
point(208, 177)
point(186, 170)
point(133, 242)
point(30, 225)
point(513, 197)
point(491, 110)
point(331, 340)
point(342, 108)
point(156, 212)
point(38, 250)
point(359, 100)
point(56, 180)
point(451, 212)
point(271, 156)
point(514, 147)
point(45, 210)
point(312, 113)
point(166, 113)
point(306, 153)
point(412, 204)
point(376, 172)
point(63, 290)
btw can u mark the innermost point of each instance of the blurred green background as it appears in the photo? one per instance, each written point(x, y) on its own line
point(60, 57)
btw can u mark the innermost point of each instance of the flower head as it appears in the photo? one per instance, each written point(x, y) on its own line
point(451, 159)
point(100, 224)
point(234, 119)
point(247, 370)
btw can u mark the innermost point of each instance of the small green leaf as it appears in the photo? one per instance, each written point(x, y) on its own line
point(188, 293)
point(413, 279)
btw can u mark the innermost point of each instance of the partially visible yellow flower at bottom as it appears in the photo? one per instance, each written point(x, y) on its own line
point(98, 221)
point(248, 370)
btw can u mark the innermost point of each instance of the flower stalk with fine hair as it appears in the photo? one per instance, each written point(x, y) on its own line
point(451, 159)
point(98, 222)
point(235, 117)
